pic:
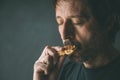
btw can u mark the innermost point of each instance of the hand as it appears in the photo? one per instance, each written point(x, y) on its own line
point(48, 66)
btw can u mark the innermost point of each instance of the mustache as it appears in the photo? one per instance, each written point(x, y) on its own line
point(78, 45)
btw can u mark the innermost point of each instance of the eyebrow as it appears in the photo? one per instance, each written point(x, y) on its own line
point(73, 16)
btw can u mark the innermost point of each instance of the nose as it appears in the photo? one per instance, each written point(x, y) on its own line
point(67, 30)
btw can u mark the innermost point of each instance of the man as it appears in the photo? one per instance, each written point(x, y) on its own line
point(91, 26)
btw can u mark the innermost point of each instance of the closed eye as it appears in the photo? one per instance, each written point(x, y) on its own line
point(77, 21)
point(59, 21)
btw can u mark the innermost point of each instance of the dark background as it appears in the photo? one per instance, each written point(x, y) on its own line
point(26, 27)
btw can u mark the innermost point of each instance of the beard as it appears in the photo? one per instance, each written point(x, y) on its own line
point(88, 50)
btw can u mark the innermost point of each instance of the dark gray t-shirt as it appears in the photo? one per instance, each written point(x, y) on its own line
point(76, 71)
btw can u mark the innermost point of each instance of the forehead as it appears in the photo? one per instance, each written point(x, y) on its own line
point(70, 7)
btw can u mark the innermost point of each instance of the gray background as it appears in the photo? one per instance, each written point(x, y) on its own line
point(26, 27)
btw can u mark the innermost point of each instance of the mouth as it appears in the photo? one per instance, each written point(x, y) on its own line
point(71, 48)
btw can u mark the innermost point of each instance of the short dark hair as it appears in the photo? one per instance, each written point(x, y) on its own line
point(106, 12)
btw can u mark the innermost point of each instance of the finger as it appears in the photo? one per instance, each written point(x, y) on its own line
point(47, 60)
point(57, 48)
point(39, 67)
point(50, 51)
point(47, 64)
point(61, 58)
point(43, 67)
point(44, 52)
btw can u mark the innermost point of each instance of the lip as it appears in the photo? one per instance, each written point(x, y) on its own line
point(78, 49)
point(77, 44)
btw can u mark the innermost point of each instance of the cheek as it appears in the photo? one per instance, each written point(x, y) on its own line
point(82, 33)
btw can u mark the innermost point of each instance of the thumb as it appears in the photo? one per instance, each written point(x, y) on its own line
point(60, 59)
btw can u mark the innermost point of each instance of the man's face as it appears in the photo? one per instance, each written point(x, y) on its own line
point(76, 22)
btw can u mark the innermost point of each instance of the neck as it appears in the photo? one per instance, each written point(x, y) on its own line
point(102, 59)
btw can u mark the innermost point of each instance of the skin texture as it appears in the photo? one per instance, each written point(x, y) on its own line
point(75, 22)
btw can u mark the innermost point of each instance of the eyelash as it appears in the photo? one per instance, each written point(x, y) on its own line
point(77, 23)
